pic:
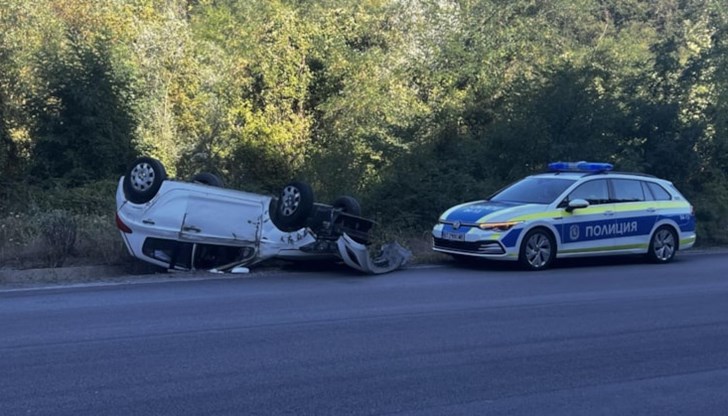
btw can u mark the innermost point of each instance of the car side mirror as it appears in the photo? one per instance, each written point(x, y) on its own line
point(577, 204)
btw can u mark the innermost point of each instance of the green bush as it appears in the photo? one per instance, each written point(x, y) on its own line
point(95, 198)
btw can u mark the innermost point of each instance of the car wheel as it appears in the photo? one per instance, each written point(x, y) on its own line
point(538, 250)
point(143, 180)
point(293, 207)
point(663, 245)
point(348, 205)
point(207, 178)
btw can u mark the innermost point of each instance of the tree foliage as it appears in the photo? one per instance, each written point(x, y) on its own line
point(412, 105)
point(84, 126)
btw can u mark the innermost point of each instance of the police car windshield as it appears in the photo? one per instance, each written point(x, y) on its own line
point(534, 190)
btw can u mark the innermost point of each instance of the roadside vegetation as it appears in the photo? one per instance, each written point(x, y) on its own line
point(408, 105)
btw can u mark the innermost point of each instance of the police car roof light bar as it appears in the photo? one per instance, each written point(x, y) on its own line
point(580, 167)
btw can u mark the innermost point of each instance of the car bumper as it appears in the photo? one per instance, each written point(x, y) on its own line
point(392, 256)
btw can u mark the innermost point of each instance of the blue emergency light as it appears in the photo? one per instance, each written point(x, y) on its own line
point(580, 167)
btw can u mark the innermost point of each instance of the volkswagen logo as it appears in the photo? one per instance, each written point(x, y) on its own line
point(456, 225)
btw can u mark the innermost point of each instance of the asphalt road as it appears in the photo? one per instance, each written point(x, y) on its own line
point(619, 338)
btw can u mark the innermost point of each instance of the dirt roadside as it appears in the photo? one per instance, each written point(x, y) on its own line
point(141, 273)
point(29, 278)
point(14, 279)
point(89, 275)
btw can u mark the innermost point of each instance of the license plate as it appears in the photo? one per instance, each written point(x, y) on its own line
point(453, 236)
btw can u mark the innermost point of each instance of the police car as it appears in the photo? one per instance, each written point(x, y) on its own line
point(575, 209)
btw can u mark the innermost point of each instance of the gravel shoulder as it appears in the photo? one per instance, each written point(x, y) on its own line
point(12, 279)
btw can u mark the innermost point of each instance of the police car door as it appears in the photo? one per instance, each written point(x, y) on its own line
point(635, 214)
point(588, 230)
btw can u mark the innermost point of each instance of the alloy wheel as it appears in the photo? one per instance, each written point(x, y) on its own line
point(664, 245)
point(538, 250)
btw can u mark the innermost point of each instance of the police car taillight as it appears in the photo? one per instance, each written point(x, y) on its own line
point(580, 167)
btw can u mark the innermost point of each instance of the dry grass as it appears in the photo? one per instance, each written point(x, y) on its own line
point(418, 242)
point(57, 238)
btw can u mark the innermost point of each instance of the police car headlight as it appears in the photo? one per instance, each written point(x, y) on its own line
point(498, 226)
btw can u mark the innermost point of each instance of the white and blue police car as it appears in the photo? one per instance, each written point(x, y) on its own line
point(575, 209)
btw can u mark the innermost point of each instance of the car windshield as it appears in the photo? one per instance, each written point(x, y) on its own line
point(533, 190)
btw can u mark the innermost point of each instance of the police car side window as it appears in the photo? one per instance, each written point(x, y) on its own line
point(627, 190)
point(595, 192)
point(659, 192)
point(647, 192)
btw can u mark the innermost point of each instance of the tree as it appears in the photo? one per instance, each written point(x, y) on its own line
point(85, 124)
point(8, 149)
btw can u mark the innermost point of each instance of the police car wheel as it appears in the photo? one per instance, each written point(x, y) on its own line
point(538, 250)
point(663, 245)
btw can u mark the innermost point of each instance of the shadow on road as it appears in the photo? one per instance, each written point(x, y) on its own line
point(474, 263)
point(312, 266)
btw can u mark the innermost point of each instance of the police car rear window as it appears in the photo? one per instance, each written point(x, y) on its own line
point(534, 190)
point(648, 193)
point(627, 190)
point(659, 192)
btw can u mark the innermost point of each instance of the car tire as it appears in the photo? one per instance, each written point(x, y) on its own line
point(663, 245)
point(143, 180)
point(209, 179)
point(348, 205)
point(538, 250)
point(293, 207)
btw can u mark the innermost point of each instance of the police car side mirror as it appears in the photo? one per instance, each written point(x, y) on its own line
point(577, 204)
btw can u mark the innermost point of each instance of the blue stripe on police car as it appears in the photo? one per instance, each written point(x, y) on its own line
point(596, 230)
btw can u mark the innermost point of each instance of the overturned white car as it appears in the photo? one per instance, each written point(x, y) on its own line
point(202, 225)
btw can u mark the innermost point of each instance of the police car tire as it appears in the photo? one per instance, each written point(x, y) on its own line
point(667, 237)
point(143, 180)
point(546, 237)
